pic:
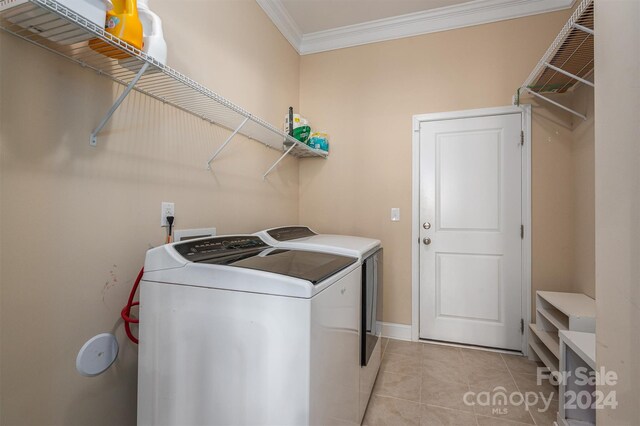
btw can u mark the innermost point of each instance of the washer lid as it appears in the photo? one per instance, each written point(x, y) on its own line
point(306, 265)
point(252, 253)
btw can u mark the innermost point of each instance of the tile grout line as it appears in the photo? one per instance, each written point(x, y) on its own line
point(466, 376)
point(517, 387)
point(475, 416)
point(472, 413)
point(504, 367)
point(424, 366)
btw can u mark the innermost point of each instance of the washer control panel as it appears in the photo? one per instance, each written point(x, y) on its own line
point(217, 247)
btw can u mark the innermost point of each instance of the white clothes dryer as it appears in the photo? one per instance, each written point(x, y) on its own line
point(368, 251)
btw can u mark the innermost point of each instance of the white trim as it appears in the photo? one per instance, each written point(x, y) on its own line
point(415, 230)
point(526, 221)
point(278, 14)
point(470, 347)
point(467, 14)
point(525, 111)
point(469, 113)
point(395, 331)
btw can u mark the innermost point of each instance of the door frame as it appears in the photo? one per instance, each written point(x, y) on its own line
point(525, 113)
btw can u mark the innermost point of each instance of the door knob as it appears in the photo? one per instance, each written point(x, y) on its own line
point(426, 241)
point(426, 225)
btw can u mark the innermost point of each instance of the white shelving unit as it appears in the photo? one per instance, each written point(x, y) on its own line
point(569, 60)
point(54, 27)
point(577, 350)
point(556, 312)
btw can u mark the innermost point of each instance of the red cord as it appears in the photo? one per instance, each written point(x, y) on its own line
point(126, 311)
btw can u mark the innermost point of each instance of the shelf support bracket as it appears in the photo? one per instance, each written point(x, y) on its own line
point(219, 150)
point(568, 74)
point(93, 140)
point(264, 177)
point(559, 105)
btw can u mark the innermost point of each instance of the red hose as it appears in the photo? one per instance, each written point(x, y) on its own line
point(126, 311)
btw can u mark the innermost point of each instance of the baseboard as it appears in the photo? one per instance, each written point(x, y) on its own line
point(396, 331)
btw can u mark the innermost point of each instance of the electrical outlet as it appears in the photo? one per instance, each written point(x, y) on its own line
point(166, 209)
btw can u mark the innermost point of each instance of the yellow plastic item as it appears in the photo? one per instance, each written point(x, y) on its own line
point(123, 22)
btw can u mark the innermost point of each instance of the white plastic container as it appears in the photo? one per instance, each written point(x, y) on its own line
point(154, 44)
point(153, 39)
point(94, 11)
point(298, 121)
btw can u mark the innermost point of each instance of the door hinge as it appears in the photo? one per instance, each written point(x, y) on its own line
point(522, 232)
point(521, 325)
point(521, 137)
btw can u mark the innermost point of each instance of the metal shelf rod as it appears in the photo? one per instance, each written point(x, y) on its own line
point(568, 74)
point(586, 75)
point(264, 177)
point(93, 140)
point(235, 132)
point(558, 104)
point(583, 28)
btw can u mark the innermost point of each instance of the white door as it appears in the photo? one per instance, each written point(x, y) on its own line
point(470, 231)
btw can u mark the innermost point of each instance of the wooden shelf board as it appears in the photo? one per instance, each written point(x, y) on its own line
point(571, 304)
point(545, 355)
point(583, 344)
point(555, 317)
point(548, 338)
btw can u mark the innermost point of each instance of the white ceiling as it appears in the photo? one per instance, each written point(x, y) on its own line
point(319, 15)
point(313, 26)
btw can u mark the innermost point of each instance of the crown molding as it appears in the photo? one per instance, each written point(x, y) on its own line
point(278, 14)
point(445, 18)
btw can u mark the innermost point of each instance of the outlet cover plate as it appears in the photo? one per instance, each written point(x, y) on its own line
point(166, 209)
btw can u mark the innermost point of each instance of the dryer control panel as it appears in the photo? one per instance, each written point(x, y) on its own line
point(287, 233)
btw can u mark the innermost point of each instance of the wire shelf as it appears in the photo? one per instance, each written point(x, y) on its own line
point(569, 60)
point(58, 29)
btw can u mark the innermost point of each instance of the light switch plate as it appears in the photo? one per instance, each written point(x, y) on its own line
point(395, 214)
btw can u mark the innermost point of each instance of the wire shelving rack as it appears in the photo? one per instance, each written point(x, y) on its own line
point(569, 60)
point(54, 27)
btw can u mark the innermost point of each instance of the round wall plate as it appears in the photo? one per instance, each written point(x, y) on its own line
point(97, 355)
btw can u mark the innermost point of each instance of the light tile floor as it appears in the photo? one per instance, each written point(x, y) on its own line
point(425, 384)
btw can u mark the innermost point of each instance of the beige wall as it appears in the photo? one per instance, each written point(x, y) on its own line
point(564, 206)
point(85, 216)
point(583, 193)
point(76, 221)
point(365, 98)
point(552, 207)
point(617, 194)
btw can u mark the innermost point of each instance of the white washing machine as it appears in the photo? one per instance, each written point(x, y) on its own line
point(233, 331)
point(368, 251)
